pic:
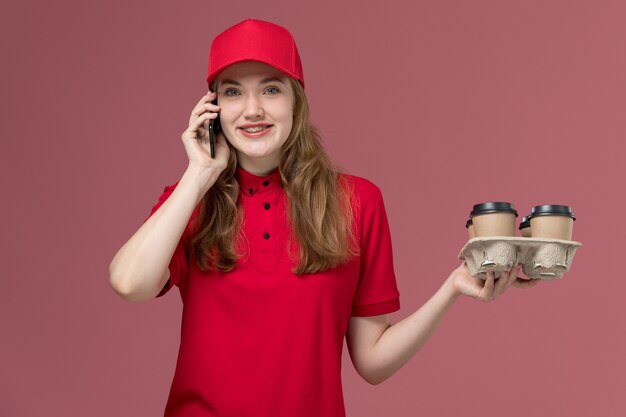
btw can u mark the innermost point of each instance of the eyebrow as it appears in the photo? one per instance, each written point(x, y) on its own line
point(263, 81)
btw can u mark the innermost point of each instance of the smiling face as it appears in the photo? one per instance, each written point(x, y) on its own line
point(256, 113)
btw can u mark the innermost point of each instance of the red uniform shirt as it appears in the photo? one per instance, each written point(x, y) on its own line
point(261, 341)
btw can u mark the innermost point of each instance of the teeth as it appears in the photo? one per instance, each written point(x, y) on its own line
point(254, 129)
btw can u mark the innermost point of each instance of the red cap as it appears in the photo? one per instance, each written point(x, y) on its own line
point(255, 40)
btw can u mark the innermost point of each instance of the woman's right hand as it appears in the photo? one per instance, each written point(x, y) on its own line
point(196, 138)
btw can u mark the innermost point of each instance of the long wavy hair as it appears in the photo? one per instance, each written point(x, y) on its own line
point(320, 203)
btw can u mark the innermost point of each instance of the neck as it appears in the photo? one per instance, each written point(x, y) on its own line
point(258, 166)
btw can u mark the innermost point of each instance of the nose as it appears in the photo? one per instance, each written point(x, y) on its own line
point(253, 108)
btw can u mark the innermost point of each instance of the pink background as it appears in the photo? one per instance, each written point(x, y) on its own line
point(442, 104)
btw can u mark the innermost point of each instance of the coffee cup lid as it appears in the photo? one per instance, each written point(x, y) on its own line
point(524, 223)
point(493, 207)
point(552, 210)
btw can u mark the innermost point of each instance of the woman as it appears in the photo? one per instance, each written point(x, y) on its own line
point(277, 255)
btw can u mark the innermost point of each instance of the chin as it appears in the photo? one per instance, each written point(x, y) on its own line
point(253, 153)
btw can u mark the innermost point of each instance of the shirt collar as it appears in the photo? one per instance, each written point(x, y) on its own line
point(250, 184)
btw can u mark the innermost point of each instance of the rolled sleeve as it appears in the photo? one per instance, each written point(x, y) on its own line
point(377, 292)
point(179, 264)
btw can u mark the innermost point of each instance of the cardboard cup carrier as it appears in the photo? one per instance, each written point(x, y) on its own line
point(545, 251)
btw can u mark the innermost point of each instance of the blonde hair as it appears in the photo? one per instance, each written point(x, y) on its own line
point(320, 202)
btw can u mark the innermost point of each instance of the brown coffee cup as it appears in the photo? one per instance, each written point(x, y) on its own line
point(494, 219)
point(552, 221)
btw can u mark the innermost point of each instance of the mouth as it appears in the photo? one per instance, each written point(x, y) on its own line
point(255, 130)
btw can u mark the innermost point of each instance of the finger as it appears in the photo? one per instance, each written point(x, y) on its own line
point(525, 283)
point(199, 107)
point(501, 285)
point(507, 278)
point(486, 293)
point(209, 96)
point(513, 274)
point(194, 127)
point(206, 107)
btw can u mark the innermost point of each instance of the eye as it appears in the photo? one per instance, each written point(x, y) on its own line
point(231, 92)
point(272, 90)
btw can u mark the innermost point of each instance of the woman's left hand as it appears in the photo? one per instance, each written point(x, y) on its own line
point(487, 290)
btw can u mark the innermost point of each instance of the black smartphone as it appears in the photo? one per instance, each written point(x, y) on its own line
point(214, 129)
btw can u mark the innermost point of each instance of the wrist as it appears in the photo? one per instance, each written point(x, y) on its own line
point(200, 178)
point(450, 288)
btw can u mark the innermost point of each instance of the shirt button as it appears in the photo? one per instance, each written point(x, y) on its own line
point(267, 206)
point(266, 183)
point(250, 190)
point(266, 235)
